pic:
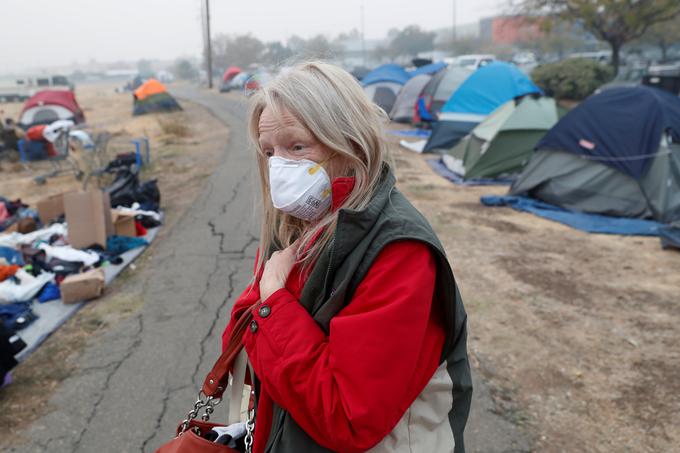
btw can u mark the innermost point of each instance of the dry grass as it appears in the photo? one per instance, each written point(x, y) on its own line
point(175, 127)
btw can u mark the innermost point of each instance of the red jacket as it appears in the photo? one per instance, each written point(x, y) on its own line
point(348, 389)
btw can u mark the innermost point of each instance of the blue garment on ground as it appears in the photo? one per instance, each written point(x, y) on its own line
point(441, 169)
point(48, 293)
point(590, 223)
point(425, 115)
point(17, 315)
point(121, 244)
point(421, 133)
point(11, 255)
point(620, 127)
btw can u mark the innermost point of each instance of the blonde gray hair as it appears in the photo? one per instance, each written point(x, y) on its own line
point(331, 104)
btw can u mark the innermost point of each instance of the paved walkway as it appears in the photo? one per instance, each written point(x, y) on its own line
point(137, 381)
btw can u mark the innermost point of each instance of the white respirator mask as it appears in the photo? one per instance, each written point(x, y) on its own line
point(300, 188)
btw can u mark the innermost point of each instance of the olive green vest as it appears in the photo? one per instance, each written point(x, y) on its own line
point(359, 238)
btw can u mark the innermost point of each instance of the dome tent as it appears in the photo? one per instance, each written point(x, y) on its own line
point(382, 85)
point(48, 106)
point(502, 144)
point(152, 96)
point(402, 110)
point(481, 93)
point(438, 90)
point(617, 153)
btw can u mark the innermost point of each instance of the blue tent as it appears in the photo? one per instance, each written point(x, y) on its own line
point(480, 94)
point(386, 73)
point(627, 142)
point(431, 68)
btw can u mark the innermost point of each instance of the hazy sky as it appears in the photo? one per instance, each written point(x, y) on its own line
point(37, 33)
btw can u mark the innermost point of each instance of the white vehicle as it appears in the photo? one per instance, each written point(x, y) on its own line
point(19, 90)
point(601, 56)
point(472, 61)
point(524, 58)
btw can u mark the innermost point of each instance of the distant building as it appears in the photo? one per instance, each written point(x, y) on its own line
point(509, 30)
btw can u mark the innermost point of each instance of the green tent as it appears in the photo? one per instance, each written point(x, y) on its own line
point(503, 143)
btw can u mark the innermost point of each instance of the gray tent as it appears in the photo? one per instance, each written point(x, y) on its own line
point(402, 111)
point(618, 153)
point(440, 88)
point(383, 93)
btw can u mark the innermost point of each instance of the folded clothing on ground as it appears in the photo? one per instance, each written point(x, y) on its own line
point(8, 271)
point(23, 286)
point(121, 244)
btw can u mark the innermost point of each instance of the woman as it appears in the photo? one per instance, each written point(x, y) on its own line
point(358, 337)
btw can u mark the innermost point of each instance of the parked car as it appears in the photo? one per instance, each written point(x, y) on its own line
point(472, 61)
point(524, 58)
point(19, 90)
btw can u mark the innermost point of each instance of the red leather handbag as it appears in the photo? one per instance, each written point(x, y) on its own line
point(191, 432)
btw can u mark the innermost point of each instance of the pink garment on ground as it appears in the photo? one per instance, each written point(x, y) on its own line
point(4, 214)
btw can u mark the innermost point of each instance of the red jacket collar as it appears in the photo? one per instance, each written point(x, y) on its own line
point(341, 188)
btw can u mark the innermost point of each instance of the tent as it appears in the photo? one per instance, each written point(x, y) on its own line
point(438, 90)
point(402, 110)
point(480, 94)
point(617, 153)
point(384, 83)
point(48, 106)
point(152, 96)
point(429, 69)
point(230, 73)
point(228, 77)
point(503, 143)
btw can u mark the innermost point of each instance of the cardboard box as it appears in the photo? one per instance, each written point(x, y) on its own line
point(123, 224)
point(80, 287)
point(88, 215)
point(51, 208)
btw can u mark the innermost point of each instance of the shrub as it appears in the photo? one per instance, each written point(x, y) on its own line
point(175, 127)
point(575, 78)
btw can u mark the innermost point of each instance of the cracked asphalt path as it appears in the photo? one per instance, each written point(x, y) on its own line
point(136, 381)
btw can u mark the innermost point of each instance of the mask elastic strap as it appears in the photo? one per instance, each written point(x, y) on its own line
point(316, 167)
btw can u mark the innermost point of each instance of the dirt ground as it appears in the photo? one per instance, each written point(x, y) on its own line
point(185, 147)
point(578, 333)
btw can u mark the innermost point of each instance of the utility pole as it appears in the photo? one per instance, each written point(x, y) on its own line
point(363, 39)
point(208, 44)
point(453, 25)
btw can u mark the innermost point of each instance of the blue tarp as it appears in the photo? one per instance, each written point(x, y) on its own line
point(488, 88)
point(670, 237)
point(620, 127)
point(431, 68)
point(420, 133)
point(590, 223)
point(442, 170)
point(386, 73)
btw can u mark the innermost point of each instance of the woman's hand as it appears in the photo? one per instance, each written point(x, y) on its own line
point(276, 271)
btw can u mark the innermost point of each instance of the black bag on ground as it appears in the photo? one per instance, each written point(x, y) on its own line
point(127, 190)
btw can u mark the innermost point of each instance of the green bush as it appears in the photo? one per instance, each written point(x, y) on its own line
point(575, 78)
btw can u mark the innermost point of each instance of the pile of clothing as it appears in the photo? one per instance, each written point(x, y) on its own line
point(34, 263)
